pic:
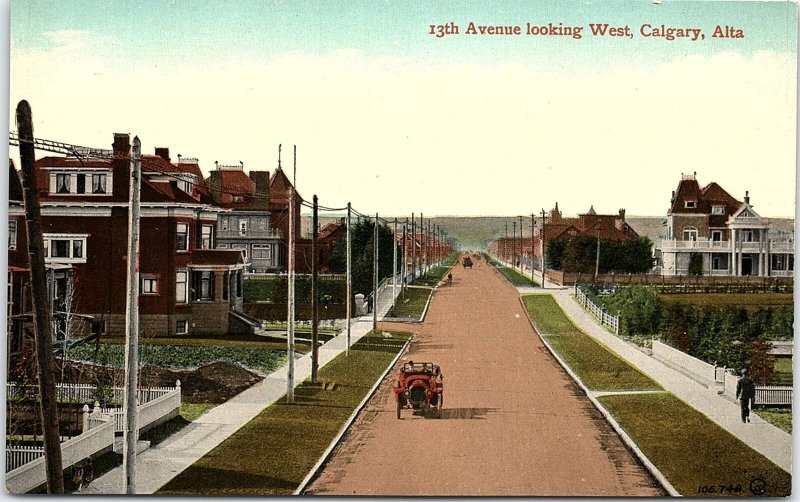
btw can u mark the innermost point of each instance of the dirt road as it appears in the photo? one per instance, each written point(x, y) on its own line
point(512, 424)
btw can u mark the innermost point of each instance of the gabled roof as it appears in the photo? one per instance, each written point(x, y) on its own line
point(155, 164)
point(279, 189)
point(330, 229)
point(164, 191)
point(73, 163)
point(14, 183)
point(235, 181)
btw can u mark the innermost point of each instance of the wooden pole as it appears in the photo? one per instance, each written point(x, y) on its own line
point(43, 337)
point(349, 278)
point(290, 314)
point(314, 293)
point(394, 264)
point(131, 432)
point(375, 278)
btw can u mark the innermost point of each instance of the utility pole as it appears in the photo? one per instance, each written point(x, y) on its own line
point(349, 278)
point(597, 259)
point(544, 260)
point(520, 243)
point(422, 260)
point(428, 250)
point(413, 248)
point(45, 367)
point(533, 245)
point(404, 265)
point(290, 316)
point(394, 264)
point(505, 246)
point(314, 292)
point(375, 278)
point(131, 432)
point(514, 246)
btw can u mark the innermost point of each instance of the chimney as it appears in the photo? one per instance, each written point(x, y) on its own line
point(215, 182)
point(747, 197)
point(261, 180)
point(673, 197)
point(163, 153)
point(622, 214)
point(122, 145)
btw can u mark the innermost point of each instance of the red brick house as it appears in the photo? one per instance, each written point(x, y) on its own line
point(186, 286)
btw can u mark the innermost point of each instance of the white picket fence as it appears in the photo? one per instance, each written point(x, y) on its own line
point(599, 312)
point(25, 468)
point(87, 393)
point(768, 395)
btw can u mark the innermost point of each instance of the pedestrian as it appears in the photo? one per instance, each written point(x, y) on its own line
point(746, 393)
point(450, 279)
point(369, 303)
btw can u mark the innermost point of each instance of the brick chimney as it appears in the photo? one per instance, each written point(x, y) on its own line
point(261, 180)
point(747, 197)
point(122, 144)
point(622, 214)
point(163, 153)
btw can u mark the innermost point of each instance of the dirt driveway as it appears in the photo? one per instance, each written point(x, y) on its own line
point(513, 423)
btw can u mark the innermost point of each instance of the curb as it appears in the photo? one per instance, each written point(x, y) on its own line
point(326, 455)
point(606, 414)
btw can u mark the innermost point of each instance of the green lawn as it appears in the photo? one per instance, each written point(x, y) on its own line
point(431, 277)
point(273, 453)
point(412, 303)
point(253, 341)
point(694, 453)
point(516, 278)
point(783, 371)
point(779, 417)
point(597, 366)
point(254, 357)
point(745, 300)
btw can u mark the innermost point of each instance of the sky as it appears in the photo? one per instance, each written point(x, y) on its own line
point(396, 120)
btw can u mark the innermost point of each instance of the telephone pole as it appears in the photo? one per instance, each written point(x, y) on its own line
point(45, 367)
point(514, 246)
point(533, 245)
point(394, 264)
point(314, 293)
point(131, 432)
point(349, 278)
point(375, 278)
point(290, 316)
point(413, 248)
point(403, 264)
point(544, 260)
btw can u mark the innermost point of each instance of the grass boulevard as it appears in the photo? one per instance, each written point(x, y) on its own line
point(274, 452)
point(697, 456)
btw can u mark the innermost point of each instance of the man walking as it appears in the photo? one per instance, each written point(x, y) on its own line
point(746, 393)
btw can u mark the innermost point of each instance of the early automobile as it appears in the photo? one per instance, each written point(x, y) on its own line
point(467, 262)
point(419, 387)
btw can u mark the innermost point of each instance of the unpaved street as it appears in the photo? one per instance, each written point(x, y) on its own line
point(513, 423)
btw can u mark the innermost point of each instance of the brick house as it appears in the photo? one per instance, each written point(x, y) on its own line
point(186, 286)
point(248, 224)
point(732, 238)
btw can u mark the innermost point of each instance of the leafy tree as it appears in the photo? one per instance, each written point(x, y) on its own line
point(580, 254)
point(362, 247)
point(695, 264)
point(555, 253)
point(762, 364)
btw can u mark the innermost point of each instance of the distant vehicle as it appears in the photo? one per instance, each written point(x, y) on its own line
point(419, 386)
point(467, 262)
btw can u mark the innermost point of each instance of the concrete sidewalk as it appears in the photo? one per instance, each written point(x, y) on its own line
point(159, 464)
point(760, 435)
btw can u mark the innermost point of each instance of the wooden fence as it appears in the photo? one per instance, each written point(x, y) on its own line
point(599, 312)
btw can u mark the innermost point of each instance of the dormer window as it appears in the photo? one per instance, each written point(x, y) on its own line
point(717, 209)
point(99, 183)
point(62, 183)
point(80, 182)
point(690, 204)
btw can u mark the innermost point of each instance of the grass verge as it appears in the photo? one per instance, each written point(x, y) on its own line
point(698, 457)
point(515, 277)
point(411, 304)
point(431, 277)
point(595, 365)
point(284, 441)
point(779, 417)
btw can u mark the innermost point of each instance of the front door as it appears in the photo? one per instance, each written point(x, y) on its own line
point(747, 265)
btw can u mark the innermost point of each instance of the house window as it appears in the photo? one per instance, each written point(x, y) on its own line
point(182, 237)
point(262, 252)
point(12, 234)
point(181, 327)
point(203, 285)
point(65, 248)
point(237, 198)
point(719, 261)
point(149, 284)
point(749, 236)
point(81, 185)
point(224, 224)
point(717, 209)
point(99, 183)
point(716, 235)
point(242, 227)
point(261, 223)
point(782, 262)
point(689, 234)
point(207, 237)
point(62, 183)
point(690, 204)
point(181, 286)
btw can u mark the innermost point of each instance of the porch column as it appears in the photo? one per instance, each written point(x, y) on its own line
point(733, 252)
point(762, 260)
point(219, 284)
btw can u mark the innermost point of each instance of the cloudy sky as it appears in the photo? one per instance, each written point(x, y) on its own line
point(396, 120)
